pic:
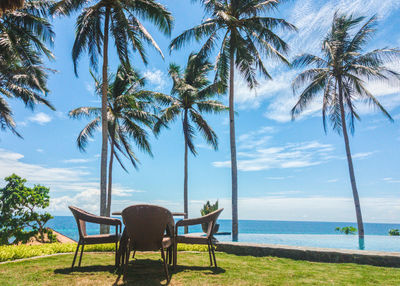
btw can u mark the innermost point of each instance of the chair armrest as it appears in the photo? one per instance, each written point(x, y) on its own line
point(100, 219)
point(192, 221)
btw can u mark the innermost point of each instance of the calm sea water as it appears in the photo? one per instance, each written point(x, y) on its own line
point(296, 233)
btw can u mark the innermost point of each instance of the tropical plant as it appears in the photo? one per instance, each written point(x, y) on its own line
point(130, 110)
point(346, 229)
point(8, 5)
point(209, 208)
point(21, 211)
point(24, 36)
point(340, 76)
point(120, 17)
point(244, 36)
point(394, 232)
point(191, 95)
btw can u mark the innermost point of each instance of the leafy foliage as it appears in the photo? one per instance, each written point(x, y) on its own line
point(191, 95)
point(130, 111)
point(24, 36)
point(394, 232)
point(19, 206)
point(344, 66)
point(209, 208)
point(126, 27)
point(347, 230)
point(239, 29)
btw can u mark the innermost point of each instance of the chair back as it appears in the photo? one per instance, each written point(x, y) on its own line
point(146, 225)
point(79, 214)
point(211, 219)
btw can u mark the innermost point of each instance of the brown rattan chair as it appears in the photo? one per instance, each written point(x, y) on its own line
point(208, 239)
point(148, 228)
point(81, 218)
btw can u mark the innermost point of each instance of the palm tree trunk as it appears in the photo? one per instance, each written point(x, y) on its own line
point(185, 179)
point(235, 226)
point(351, 171)
point(109, 191)
point(104, 124)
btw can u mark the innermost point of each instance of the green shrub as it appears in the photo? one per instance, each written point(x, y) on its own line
point(347, 230)
point(394, 232)
point(208, 208)
point(13, 252)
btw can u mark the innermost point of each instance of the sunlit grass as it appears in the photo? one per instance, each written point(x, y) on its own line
point(193, 269)
point(13, 252)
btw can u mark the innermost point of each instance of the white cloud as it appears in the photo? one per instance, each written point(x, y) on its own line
point(157, 78)
point(291, 155)
point(76, 161)
point(81, 190)
point(40, 118)
point(256, 138)
point(391, 180)
point(313, 208)
point(362, 155)
point(333, 180)
point(39, 150)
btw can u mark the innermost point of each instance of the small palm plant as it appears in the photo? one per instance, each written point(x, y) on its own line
point(129, 113)
point(243, 35)
point(207, 209)
point(100, 20)
point(192, 94)
point(340, 76)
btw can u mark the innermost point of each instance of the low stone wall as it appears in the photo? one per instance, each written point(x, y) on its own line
point(389, 259)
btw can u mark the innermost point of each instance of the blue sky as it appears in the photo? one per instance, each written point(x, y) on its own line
point(287, 170)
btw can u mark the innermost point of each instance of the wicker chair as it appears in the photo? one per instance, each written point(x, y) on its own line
point(81, 218)
point(148, 228)
point(208, 239)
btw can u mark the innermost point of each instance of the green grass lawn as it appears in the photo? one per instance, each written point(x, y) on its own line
point(193, 269)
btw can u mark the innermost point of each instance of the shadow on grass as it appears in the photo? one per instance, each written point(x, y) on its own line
point(141, 272)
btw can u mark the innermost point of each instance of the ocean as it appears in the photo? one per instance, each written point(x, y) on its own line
point(295, 233)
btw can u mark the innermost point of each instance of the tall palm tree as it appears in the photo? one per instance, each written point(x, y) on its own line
point(130, 111)
point(24, 36)
point(244, 35)
point(340, 75)
point(120, 17)
point(191, 95)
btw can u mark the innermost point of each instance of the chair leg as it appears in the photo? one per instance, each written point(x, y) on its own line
point(76, 253)
point(209, 253)
point(134, 253)
point(213, 253)
point(127, 253)
point(80, 258)
point(175, 256)
point(170, 250)
point(165, 263)
point(116, 255)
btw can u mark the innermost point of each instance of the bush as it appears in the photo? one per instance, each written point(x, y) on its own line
point(13, 252)
point(209, 208)
point(347, 230)
point(394, 232)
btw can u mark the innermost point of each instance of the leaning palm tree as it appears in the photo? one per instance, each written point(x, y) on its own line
point(244, 35)
point(120, 17)
point(340, 76)
point(24, 36)
point(191, 95)
point(130, 111)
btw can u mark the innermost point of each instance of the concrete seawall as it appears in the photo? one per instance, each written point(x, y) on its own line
point(377, 258)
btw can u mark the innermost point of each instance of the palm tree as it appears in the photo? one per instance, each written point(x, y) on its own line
point(130, 110)
point(191, 95)
point(24, 36)
point(120, 18)
point(340, 75)
point(247, 36)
